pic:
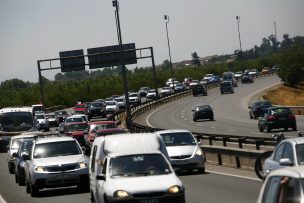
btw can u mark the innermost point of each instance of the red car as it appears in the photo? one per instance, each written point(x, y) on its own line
point(80, 108)
point(76, 130)
point(95, 127)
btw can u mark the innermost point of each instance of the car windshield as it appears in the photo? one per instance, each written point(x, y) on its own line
point(139, 165)
point(94, 105)
point(263, 104)
point(16, 121)
point(53, 149)
point(40, 116)
point(133, 95)
point(105, 126)
point(80, 106)
point(225, 84)
point(26, 146)
point(110, 103)
point(178, 139)
point(50, 116)
point(16, 143)
point(76, 127)
point(61, 113)
point(202, 108)
point(74, 119)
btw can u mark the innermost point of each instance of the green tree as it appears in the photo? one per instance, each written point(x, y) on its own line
point(195, 59)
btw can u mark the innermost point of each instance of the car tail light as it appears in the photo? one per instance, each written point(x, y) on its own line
point(271, 118)
point(291, 117)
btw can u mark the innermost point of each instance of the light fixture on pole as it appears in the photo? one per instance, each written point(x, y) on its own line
point(166, 17)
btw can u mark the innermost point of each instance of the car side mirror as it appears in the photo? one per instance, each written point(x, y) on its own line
point(101, 177)
point(193, 110)
point(25, 157)
point(286, 162)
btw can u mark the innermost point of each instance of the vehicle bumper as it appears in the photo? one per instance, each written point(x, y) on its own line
point(195, 162)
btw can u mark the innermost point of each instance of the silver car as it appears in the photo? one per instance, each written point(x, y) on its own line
point(183, 149)
point(290, 152)
point(55, 162)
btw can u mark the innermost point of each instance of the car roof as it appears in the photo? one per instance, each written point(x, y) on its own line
point(172, 131)
point(75, 123)
point(127, 144)
point(54, 139)
point(295, 140)
point(22, 136)
point(100, 122)
point(295, 172)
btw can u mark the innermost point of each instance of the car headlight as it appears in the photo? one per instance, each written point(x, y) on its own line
point(199, 152)
point(121, 194)
point(82, 165)
point(39, 169)
point(175, 189)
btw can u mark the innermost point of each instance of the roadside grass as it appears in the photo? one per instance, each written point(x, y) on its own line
point(287, 96)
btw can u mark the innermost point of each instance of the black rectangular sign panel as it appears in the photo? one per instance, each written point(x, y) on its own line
point(72, 63)
point(110, 56)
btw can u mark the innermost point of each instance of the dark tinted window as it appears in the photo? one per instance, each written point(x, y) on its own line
point(300, 153)
point(53, 149)
point(76, 127)
point(16, 121)
point(177, 139)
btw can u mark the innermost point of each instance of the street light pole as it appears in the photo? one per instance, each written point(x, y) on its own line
point(275, 29)
point(166, 17)
point(238, 23)
point(123, 67)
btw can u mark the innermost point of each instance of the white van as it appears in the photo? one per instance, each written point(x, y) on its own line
point(133, 168)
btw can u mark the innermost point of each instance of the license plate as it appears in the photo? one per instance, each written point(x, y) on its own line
point(149, 201)
point(282, 119)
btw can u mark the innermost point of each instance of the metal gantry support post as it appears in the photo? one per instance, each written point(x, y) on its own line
point(154, 71)
point(41, 84)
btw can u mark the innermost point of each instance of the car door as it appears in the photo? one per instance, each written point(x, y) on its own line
point(272, 163)
point(101, 188)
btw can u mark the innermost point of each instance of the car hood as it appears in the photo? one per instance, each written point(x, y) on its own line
point(59, 160)
point(145, 183)
point(75, 133)
point(181, 150)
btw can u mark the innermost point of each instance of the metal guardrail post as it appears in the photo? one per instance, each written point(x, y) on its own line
point(238, 162)
point(241, 140)
point(219, 158)
point(210, 139)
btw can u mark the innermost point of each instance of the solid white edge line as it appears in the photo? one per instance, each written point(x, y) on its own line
point(237, 176)
point(2, 200)
point(147, 119)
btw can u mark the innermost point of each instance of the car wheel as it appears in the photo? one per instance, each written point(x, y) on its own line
point(201, 170)
point(254, 117)
point(16, 178)
point(194, 119)
point(21, 181)
point(11, 170)
point(250, 116)
point(222, 92)
point(27, 187)
point(294, 128)
point(261, 129)
point(211, 118)
point(285, 129)
point(34, 190)
point(268, 129)
point(92, 197)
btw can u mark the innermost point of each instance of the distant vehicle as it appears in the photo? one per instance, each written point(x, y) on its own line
point(238, 75)
point(38, 108)
point(284, 185)
point(180, 87)
point(187, 81)
point(111, 107)
point(194, 82)
point(61, 115)
point(289, 152)
point(208, 76)
point(266, 70)
point(166, 91)
point(76, 131)
point(100, 100)
point(55, 162)
point(277, 117)
point(203, 112)
point(258, 109)
point(253, 72)
point(73, 119)
point(247, 79)
point(96, 109)
point(171, 81)
point(229, 76)
point(51, 117)
point(121, 102)
point(215, 79)
point(80, 108)
point(199, 89)
point(183, 149)
point(205, 81)
point(134, 99)
point(143, 91)
point(226, 86)
point(42, 122)
point(151, 94)
point(14, 120)
point(126, 170)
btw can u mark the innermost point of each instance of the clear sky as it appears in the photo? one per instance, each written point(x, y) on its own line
point(31, 30)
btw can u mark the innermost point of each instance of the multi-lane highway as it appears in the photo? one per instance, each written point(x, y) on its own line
point(231, 112)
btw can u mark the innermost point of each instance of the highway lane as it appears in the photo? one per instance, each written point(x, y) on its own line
point(231, 112)
point(208, 188)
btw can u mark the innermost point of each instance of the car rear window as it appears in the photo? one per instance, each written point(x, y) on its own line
point(279, 111)
point(178, 139)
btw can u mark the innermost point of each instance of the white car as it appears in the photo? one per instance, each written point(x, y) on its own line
point(111, 107)
point(253, 72)
point(121, 102)
point(42, 122)
point(134, 98)
point(208, 76)
point(183, 149)
point(151, 94)
point(133, 168)
point(170, 81)
point(55, 162)
point(166, 91)
point(289, 152)
point(283, 186)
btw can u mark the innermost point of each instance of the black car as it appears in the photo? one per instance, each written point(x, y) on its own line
point(19, 162)
point(199, 89)
point(258, 109)
point(247, 79)
point(203, 112)
point(277, 117)
point(96, 109)
point(61, 115)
